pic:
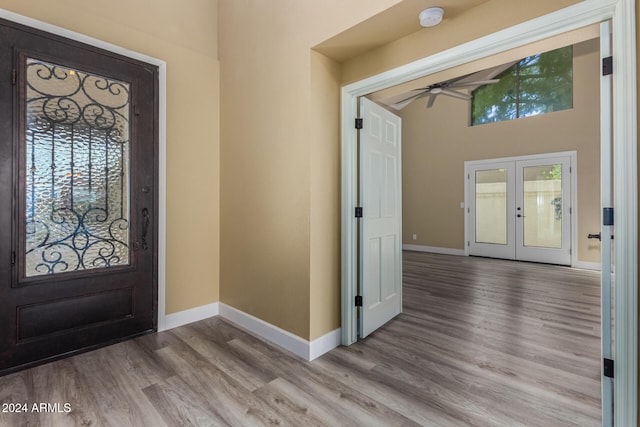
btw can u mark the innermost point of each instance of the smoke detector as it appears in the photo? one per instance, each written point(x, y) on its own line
point(431, 17)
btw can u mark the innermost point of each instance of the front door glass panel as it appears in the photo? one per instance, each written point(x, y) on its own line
point(542, 197)
point(491, 206)
point(76, 170)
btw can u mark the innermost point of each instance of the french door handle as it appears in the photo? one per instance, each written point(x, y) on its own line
point(597, 236)
point(145, 228)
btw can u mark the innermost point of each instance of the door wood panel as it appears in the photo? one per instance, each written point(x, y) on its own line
point(381, 226)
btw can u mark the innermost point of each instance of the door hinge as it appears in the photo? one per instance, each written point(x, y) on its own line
point(358, 123)
point(468, 243)
point(358, 300)
point(14, 76)
point(13, 258)
point(608, 368)
point(607, 66)
point(607, 216)
point(358, 212)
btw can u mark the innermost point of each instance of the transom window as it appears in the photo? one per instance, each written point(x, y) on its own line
point(537, 84)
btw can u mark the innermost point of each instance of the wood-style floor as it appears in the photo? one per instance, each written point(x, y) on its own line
point(480, 343)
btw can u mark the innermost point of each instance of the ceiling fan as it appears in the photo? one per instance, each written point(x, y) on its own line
point(448, 88)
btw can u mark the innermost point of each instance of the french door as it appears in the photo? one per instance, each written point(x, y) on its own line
point(520, 208)
point(78, 184)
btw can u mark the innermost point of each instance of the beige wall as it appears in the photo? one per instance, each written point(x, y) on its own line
point(280, 194)
point(437, 142)
point(185, 38)
point(325, 190)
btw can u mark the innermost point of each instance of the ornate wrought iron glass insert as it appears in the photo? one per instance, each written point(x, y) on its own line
point(77, 170)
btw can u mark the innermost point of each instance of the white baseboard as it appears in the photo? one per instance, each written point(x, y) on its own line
point(180, 318)
point(308, 350)
point(324, 344)
point(587, 265)
point(445, 251)
point(275, 335)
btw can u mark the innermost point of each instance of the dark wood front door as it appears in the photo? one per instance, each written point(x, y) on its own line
point(78, 197)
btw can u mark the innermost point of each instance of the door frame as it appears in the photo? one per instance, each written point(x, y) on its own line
point(622, 14)
point(162, 134)
point(572, 155)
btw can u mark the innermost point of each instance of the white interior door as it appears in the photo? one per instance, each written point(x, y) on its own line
point(520, 208)
point(381, 223)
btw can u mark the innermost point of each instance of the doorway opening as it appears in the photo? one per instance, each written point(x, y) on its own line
point(624, 131)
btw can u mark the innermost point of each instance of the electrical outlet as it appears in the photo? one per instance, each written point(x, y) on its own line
point(415, 236)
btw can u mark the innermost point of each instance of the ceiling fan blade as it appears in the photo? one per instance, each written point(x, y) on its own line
point(412, 97)
point(404, 102)
point(456, 94)
point(400, 105)
point(432, 99)
point(475, 83)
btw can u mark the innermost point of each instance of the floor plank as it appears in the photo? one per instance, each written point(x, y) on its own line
point(480, 342)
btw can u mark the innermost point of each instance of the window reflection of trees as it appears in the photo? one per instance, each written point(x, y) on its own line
point(538, 84)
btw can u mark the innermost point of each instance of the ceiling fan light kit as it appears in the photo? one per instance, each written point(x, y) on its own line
point(431, 16)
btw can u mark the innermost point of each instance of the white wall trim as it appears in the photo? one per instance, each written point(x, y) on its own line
point(162, 134)
point(267, 331)
point(296, 345)
point(191, 315)
point(588, 12)
point(324, 344)
point(278, 336)
point(587, 265)
point(433, 249)
point(625, 158)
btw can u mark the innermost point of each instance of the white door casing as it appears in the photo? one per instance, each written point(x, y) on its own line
point(380, 226)
point(606, 201)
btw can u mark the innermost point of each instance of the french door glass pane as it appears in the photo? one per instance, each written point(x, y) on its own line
point(77, 170)
point(542, 197)
point(491, 206)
